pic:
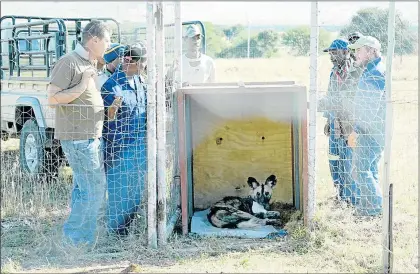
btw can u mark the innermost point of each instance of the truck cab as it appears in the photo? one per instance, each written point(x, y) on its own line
point(29, 47)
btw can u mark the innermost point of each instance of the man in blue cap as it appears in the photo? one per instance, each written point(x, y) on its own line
point(111, 60)
point(342, 85)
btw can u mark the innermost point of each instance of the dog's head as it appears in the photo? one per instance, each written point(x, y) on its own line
point(261, 193)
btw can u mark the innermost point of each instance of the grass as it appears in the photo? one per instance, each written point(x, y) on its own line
point(33, 212)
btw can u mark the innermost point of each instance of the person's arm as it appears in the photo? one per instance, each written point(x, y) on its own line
point(61, 77)
point(111, 102)
point(325, 102)
point(369, 102)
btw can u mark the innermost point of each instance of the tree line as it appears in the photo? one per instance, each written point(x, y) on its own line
point(232, 41)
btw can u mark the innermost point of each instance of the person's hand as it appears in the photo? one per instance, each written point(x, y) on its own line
point(117, 102)
point(327, 129)
point(87, 75)
point(352, 141)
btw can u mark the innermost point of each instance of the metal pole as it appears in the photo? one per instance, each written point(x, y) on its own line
point(249, 37)
point(313, 94)
point(161, 119)
point(178, 46)
point(387, 226)
point(151, 128)
point(177, 81)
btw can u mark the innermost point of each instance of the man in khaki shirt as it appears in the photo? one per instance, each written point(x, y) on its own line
point(79, 116)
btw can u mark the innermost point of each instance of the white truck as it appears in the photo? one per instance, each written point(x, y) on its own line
point(29, 48)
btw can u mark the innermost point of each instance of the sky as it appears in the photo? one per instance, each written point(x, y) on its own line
point(258, 13)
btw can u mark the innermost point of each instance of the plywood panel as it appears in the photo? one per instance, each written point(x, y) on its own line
point(252, 146)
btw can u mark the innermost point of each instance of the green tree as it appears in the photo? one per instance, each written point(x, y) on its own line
point(374, 22)
point(299, 38)
point(264, 44)
point(215, 41)
point(233, 31)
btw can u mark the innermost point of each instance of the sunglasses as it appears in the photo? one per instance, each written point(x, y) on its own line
point(353, 38)
point(134, 60)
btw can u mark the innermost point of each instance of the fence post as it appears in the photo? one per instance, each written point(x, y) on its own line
point(160, 119)
point(387, 225)
point(313, 95)
point(151, 128)
point(178, 46)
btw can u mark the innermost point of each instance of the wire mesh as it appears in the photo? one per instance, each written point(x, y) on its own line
point(37, 177)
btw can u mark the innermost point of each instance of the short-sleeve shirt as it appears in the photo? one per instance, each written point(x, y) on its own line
point(202, 73)
point(81, 119)
point(130, 122)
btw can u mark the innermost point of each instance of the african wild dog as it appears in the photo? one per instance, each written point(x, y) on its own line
point(237, 212)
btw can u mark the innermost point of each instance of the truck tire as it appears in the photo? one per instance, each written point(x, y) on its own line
point(34, 157)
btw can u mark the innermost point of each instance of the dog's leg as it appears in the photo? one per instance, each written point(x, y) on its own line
point(268, 215)
point(252, 223)
point(229, 217)
point(272, 215)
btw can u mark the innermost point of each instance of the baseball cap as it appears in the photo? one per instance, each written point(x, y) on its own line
point(368, 41)
point(337, 44)
point(192, 30)
point(136, 51)
point(113, 52)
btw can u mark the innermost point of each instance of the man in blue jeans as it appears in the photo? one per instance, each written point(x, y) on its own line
point(368, 137)
point(343, 81)
point(79, 118)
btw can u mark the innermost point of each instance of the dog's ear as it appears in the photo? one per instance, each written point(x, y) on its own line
point(253, 183)
point(271, 181)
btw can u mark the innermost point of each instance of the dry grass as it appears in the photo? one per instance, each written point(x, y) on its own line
point(32, 212)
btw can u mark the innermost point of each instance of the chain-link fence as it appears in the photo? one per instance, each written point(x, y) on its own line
point(348, 190)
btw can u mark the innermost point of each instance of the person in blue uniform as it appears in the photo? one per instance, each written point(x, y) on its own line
point(125, 149)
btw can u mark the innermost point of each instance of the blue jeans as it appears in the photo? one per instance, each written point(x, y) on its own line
point(366, 156)
point(126, 170)
point(340, 162)
point(348, 189)
point(88, 196)
point(334, 156)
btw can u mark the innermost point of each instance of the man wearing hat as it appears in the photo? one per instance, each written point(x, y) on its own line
point(196, 66)
point(111, 60)
point(125, 135)
point(343, 81)
point(368, 136)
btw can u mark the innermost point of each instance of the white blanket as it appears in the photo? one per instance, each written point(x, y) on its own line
point(201, 226)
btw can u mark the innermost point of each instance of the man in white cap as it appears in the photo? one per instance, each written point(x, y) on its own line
point(368, 136)
point(196, 66)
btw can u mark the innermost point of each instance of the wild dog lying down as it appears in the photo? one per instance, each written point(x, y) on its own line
point(250, 212)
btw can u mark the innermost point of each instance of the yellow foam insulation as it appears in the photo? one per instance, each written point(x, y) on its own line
point(239, 149)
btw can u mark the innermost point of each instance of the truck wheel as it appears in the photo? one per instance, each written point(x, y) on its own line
point(34, 158)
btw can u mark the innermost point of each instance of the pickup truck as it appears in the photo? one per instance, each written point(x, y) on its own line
point(29, 46)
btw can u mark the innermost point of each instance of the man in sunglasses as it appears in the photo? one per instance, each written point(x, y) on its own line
point(342, 85)
point(125, 133)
